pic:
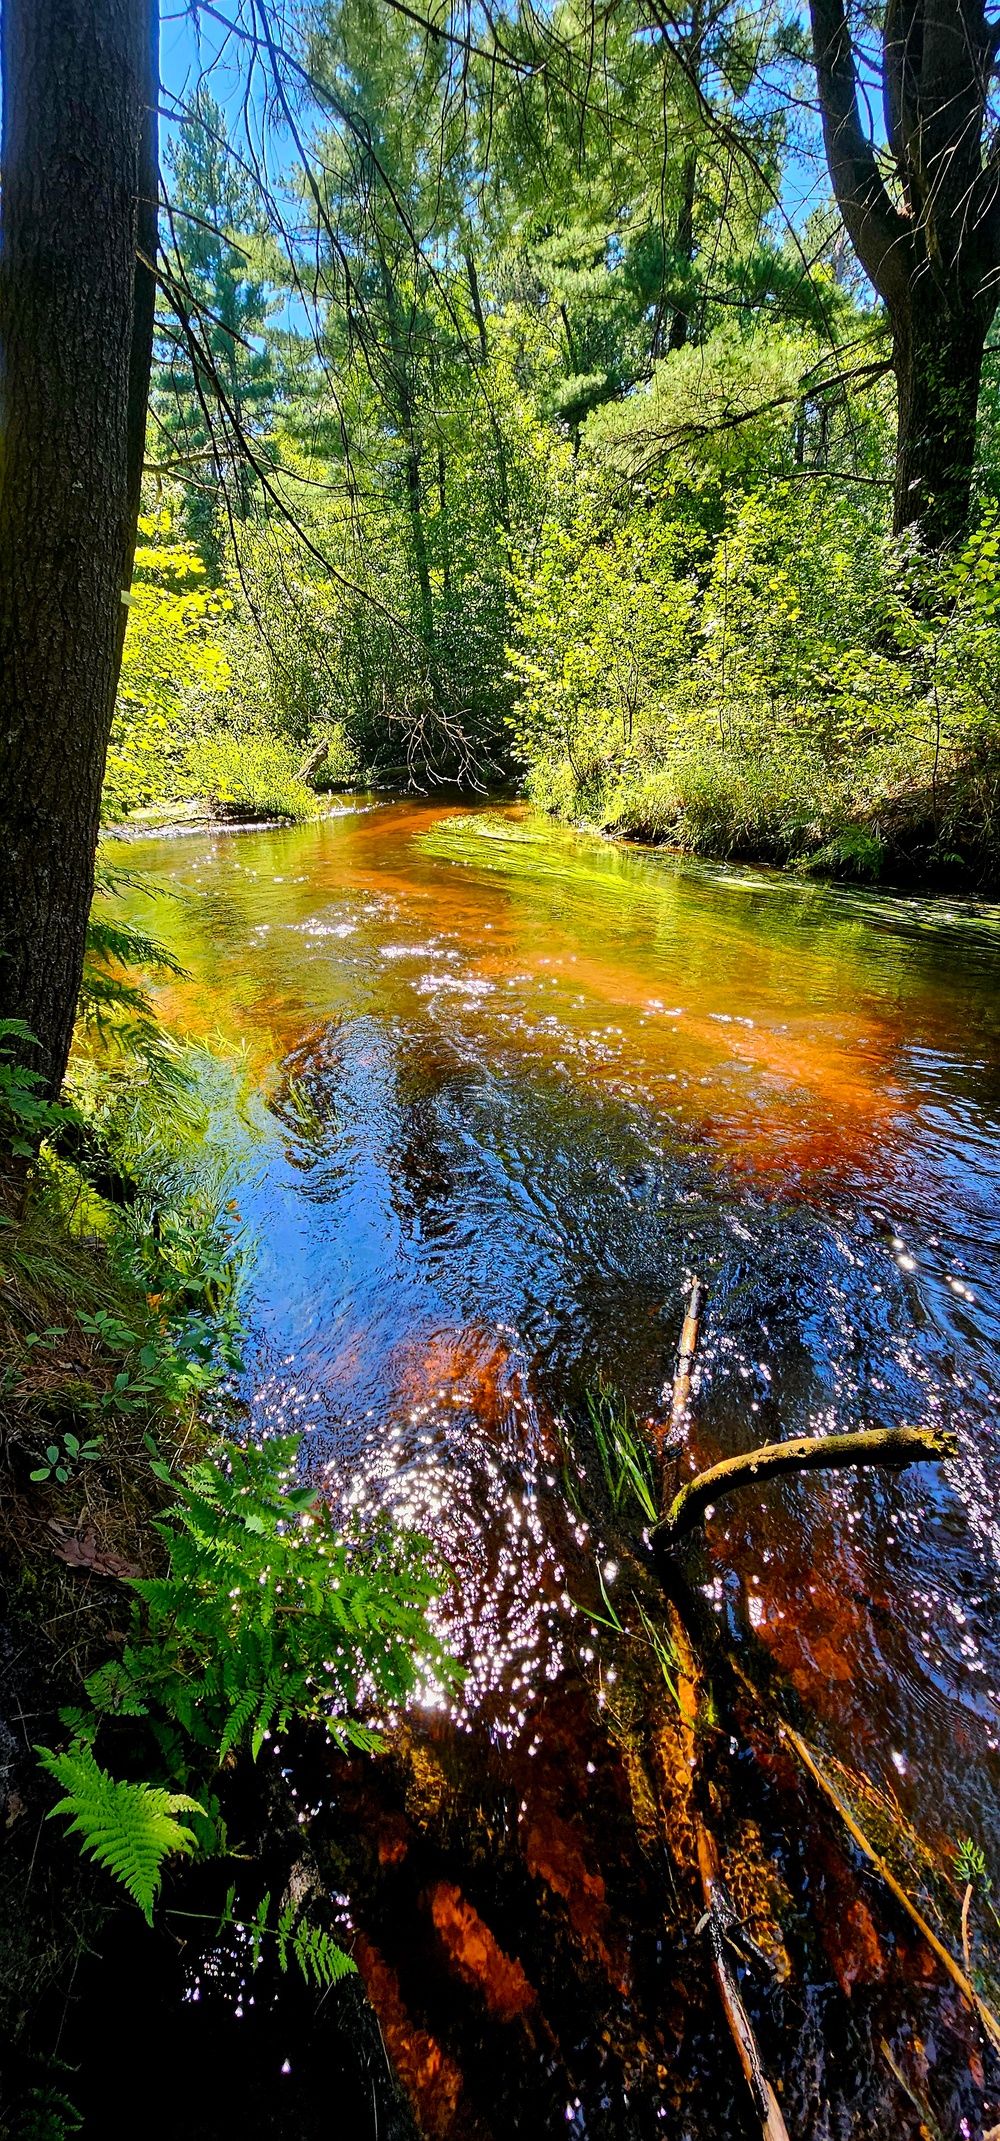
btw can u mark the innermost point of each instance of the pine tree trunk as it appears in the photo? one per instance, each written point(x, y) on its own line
point(684, 243)
point(938, 360)
point(79, 198)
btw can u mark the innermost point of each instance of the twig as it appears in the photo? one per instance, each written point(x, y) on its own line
point(986, 2016)
point(889, 1446)
point(919, 2105)
point(680, 1394)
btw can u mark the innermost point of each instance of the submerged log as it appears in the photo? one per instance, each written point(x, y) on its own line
point(891, 1447)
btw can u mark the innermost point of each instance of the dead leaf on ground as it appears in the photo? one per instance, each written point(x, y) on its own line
point(80, 1550)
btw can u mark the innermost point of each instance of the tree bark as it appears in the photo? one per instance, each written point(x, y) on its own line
point(684, 243)
point(932, 249)
point(938, 363)
point(79, 199)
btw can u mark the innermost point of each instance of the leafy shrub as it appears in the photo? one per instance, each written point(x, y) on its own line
point(341, 763)
point(248, 776)
point(173, 668)
point(798, 689)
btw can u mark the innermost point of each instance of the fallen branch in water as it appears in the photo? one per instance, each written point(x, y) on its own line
point(985, 2014)
point(719, 1920)
point(686, 1351)
point(892, 1447)
point(670, 1433)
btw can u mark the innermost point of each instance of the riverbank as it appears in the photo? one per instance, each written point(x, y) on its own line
point(867, 825)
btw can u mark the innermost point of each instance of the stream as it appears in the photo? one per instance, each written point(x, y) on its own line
point(521, 1085)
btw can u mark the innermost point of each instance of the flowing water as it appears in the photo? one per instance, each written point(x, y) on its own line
point(521, 1085)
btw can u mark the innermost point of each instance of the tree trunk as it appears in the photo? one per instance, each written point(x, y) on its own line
point(931, 246)
point(938, 363)
point(684, 243)
point(79, 197)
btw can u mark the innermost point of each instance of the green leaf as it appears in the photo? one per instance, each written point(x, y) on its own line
point(129, 1828)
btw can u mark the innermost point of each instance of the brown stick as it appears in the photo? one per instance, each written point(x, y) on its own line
point(685, 1356)
point(889, 1446)
point(765, 2102)
point(668, 1435)
point(986, 2016)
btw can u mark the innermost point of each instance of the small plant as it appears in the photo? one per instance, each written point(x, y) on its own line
point(970, 1865)
point(129, 1828)
point(62, 1457)
point(625, 1459)
point(320, 1960)
point(25, 1116)
point(44, 2112)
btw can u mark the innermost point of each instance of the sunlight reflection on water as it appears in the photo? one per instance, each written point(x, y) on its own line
point(544, 1080)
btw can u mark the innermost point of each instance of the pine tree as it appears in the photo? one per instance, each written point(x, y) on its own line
point(219, 237)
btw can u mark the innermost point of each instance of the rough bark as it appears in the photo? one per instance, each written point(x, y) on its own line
point(938, 363)
point(932, 246)
point(78, 171)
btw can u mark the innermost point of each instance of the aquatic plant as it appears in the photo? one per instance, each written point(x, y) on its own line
point(626, 1460)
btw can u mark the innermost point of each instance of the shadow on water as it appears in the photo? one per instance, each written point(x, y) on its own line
point(520, 1086)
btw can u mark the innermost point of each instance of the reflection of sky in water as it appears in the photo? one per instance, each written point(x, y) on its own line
point(529, 1084)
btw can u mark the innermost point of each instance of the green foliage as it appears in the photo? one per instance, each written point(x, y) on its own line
point(25, 1116)
point(625, 1457)
point(173, 672)
point(63, 1456)
point(44, 2111)
point(318, 1957)
point(795, 688)
point(265, 1613)
point(248, 776)
point(129, 1828)
point(219, 254)
point(970, 1865)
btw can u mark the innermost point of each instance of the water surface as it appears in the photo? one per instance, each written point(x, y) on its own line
point(521, 1086)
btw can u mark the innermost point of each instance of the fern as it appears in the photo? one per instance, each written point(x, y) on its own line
point(315, 1951)
point(266, 1614)
point(129, 1828)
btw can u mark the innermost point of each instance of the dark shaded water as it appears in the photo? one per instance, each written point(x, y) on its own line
point(521, 1085)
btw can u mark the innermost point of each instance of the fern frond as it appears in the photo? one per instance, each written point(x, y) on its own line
point(123, 945)
point(319, 1957)
point(129, 1828)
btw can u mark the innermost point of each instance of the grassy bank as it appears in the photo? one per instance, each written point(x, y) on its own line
point(874, 821)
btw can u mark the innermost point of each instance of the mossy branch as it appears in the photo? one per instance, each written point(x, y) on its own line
point(892, 1447)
